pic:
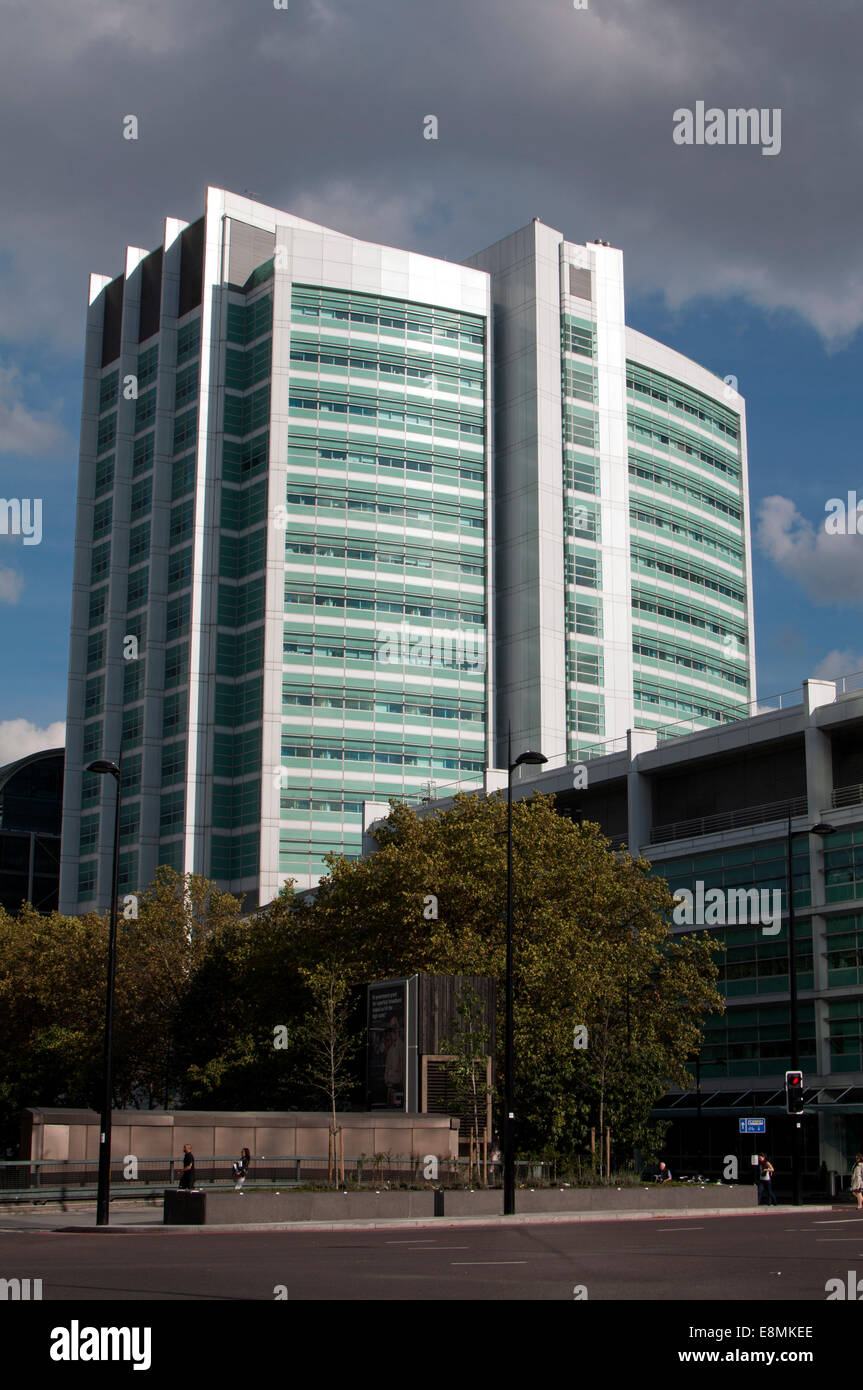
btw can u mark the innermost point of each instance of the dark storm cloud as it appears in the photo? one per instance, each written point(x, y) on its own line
point(543, 110)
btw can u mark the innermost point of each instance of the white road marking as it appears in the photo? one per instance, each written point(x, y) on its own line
point(487, 1262)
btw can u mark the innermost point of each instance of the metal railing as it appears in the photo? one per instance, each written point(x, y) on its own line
point(728, 820)
point(69, 1180)
point(846, 684)
point(683, 728)
point(847, 796)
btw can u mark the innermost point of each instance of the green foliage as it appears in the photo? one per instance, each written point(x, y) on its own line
point(592, 948)
point(201, 990)
point(327, 1043)
point(469, 1048)
point(53, 975)
point(52, 1000)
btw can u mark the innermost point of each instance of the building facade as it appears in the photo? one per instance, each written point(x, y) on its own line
point(623, 591)
point(284, 609)
point(31, 805)
point(280, 605)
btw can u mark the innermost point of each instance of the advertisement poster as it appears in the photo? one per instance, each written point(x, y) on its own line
point(386, 1045)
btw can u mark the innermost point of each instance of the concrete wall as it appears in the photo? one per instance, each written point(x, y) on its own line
point(215, 1208)
point(65, 1134)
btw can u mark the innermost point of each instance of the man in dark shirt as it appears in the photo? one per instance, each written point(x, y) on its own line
point(187, 1177)
point(664, 1174)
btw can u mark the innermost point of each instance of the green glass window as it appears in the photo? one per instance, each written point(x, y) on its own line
point(107, 433)
point(88, 840)
point(142, 454)
point(95, 650)
point(176, 664)
point(182, 521)
point(141, 493)
point(98, 606)
point(145, 410)
point(92, 745)
point(188, 340)
point(173, 763)
point(180, 568)
point(133, 681)
point(104, 480)
point(175, 713)
point(87, 879)
point(133, 725)
point(100, 562)
point(185, 430)
point(148, 363)
point(93, 695)
point(102, 513)
point(108, 390)
point(137, 590)
point(139, 542)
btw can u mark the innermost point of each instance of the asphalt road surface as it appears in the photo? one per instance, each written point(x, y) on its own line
point(775, 1255)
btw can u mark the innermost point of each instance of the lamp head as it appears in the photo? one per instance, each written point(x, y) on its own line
point(103, 765)
point(530, 757)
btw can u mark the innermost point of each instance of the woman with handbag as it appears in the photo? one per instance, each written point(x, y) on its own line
point(241, 1168)
point(857, 1180)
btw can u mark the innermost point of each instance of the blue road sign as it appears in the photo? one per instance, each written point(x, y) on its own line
point(752, 1126)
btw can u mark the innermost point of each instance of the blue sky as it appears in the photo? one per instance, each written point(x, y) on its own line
point(752, 266)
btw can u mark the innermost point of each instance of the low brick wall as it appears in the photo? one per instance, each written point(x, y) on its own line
point(214, 1208)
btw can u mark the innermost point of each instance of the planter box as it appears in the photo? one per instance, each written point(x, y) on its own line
point(230, 1208)
point(218, 1208)
point(652, 1198)
point(184, 1208)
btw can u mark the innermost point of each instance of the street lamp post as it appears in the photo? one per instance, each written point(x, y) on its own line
point(820, 829)
point(103, 1194)
point(508, 1113)
point(698, 1105)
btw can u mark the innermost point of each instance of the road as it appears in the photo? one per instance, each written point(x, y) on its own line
point(761, 1256)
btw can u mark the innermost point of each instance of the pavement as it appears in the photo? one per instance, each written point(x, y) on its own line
point(133, 1220)
point(771, 1254)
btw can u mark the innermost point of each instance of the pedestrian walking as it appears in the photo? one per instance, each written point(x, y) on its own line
point(857, 1180)
point(187, 1177)
point(241, 1168)
point(766, 1195)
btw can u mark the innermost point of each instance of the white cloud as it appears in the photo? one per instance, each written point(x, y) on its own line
point(828, 568)
point(353, 207)
point(18, 738)
point(22, 430)
point(11, 585)
point(844, 661)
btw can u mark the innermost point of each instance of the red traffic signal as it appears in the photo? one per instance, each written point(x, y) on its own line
point(794, 1092)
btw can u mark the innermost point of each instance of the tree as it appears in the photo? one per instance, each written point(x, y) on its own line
point(52, 997)
point(586, 919)
point(239, 1016)
point(52, 1002)
point(466, 1073)
point(329, 1047)
point(158, 955)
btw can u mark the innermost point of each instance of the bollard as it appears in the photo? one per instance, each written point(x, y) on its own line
point(438, 1201)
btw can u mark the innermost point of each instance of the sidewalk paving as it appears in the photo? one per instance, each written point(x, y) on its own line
point(141, 1222)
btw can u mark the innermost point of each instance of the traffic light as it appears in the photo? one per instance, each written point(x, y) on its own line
point(794, 1092)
